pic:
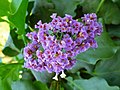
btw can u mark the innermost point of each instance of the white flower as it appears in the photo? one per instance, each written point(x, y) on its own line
point(63, 75)
point(56, 77)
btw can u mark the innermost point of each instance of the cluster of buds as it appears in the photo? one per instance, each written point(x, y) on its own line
point(54, 46)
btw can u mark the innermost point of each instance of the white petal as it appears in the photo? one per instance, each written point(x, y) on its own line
point(56, 77)
point(63, 75)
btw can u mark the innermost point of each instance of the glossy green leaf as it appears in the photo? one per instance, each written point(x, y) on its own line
point(43, 77)
point(4, 7)
point(94, 83)
point(18, 19)
point(109, 69)
point(106, 49)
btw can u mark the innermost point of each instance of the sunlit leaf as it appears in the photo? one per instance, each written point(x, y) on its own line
point(18, 19)
point(4, 7)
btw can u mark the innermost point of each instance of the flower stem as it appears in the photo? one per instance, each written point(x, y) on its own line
point(24, 39)
point(99, 6)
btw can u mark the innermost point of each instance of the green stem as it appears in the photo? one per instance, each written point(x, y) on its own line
point(24, 39)
point(99, 6)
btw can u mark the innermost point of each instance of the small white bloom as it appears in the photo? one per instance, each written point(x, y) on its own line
point(63, 75)
point(20, 76)
point(20, 72)
point(56, 77)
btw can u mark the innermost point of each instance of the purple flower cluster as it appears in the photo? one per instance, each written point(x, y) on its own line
point(54, 46)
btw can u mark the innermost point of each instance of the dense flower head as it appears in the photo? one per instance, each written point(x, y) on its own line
point(54, 46)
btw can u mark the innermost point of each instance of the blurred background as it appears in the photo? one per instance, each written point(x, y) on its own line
point(4, 33)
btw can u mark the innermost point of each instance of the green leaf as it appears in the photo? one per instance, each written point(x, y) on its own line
point(18, 19)
point(27, 75)
point(94, 83)
point(89, 6)
point(1, 87)
point(109, 69)
point(29, 11)
point(4, 7)
point(8, 74)
point(9, 70)
point(63, 7)
point(41, 11)
point(108, 10)
point(106, 49)
point(28, 85)
point(40, 86)
point(17, 42)
point(114, 30)
point(23, 85)
point(15, 4)
point(117, 2)
point(9, 48)
point(43, 77)
point(81, 64)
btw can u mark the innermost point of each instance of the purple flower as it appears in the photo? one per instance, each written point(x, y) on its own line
point(32, 36)
point(56, 51)
point(53, 15)
point(27, 53)
point(92, 43)
point(84, 46)
point(88, 17)
point(83, 33)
